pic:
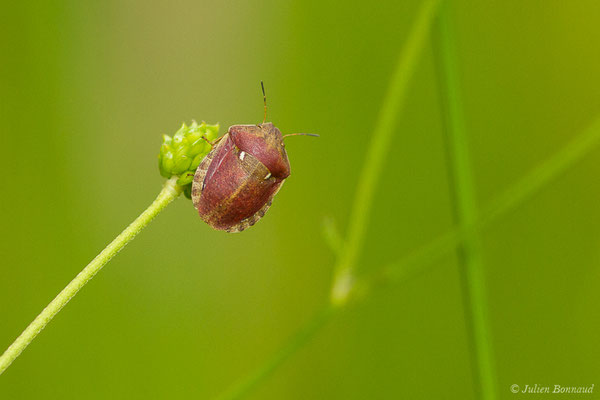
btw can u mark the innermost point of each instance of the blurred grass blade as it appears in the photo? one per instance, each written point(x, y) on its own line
point(378, 149)
point(550, 169)
point(301, 337)
point(465, 207)
point(367, 182)
point(423, 258)
point(417, 261)
point(332, 236)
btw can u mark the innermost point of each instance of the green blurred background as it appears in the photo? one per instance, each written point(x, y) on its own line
point(184, 311)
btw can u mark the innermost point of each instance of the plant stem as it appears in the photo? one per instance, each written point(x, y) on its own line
point(516, 194)
point(349, 249)
point(169, 193)
point(417, 261)
point(466, 212)
point(376, 154)
point(296, 342)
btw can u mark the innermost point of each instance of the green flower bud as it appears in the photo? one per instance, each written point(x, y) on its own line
point(185, 179)
point(197, 160)
point(181, 154)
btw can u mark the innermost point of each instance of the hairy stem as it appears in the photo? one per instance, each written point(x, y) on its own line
point(169, 193)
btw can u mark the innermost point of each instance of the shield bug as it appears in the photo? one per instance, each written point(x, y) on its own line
point(235, 184)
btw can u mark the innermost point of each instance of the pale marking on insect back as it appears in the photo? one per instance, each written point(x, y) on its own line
point(268, 176)
point(199, 177)
point(242, 155)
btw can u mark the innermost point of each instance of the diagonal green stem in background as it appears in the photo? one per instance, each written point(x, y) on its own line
point(169, 193)
point(510, 199)
point(295, 343)
point(419, 260)
point(349, 249)
point(544, 173)
point(376, 154)
point(465, 208)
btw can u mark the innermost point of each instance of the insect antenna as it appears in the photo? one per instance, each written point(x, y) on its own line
point(262, 85)
point(301, 134)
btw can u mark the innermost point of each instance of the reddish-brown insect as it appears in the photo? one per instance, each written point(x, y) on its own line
point(235, 183)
